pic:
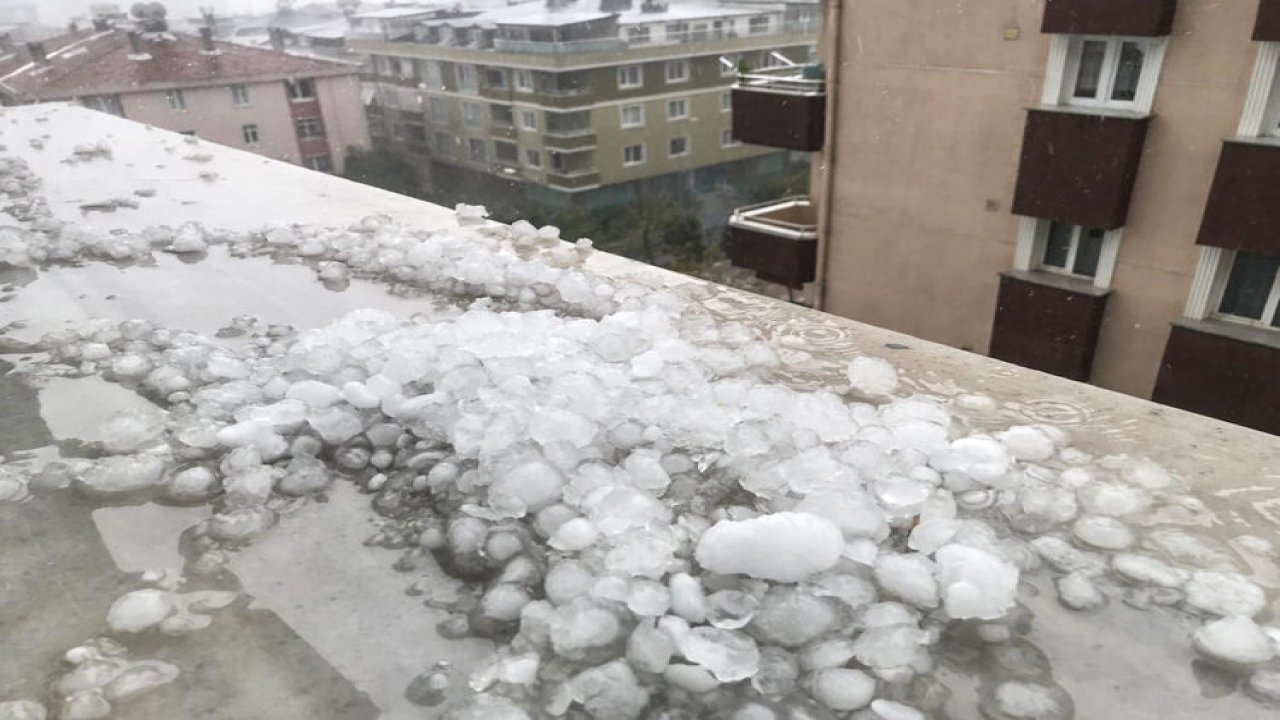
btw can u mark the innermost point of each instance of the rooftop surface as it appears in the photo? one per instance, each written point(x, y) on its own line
point(105, 63)
point(322, 626)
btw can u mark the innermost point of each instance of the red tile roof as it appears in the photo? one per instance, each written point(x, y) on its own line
point(101, 63)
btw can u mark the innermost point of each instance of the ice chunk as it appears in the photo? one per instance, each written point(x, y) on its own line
point(131, 431)
point(730, 609)
point(140, 678)
point(908, 577)
point(22, 710)
point(1225, 594)
point(1263, 684)
point(854, 512)
point(842, 689)
point(141, 609)
point(1147, 570)
point(889, 646)
point(1028, 442)
point(890, 710)
point(1019, 700)
point(609, 691)
point(790, 617)
point(688, 600)
point(316, 394)
point(872, 376)
point(580, 627)
point(979, 457)
point(1114, 499)
point(691, 678)
point(649, 650)
point(786, 546)
point(648, 598)
point(1063, 557)
point(485, 707)
point(728, 655)
point(1103, 532)
point(1234, 639)
point(1145, 473)
point(122, 476)
point(974, 583)
point(573, 535)
point(1077, 591)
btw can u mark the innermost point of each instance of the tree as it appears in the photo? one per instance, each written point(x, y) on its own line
point(657, 230)
point(385, 169)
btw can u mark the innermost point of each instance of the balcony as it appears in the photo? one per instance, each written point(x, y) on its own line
point(1243, 209)
point(777, 239)
point(1078, 167)
point(564, 47)
point(1047, 323)
point(503, 131)
point(474, 335)
point(569, 141)
point(1143, 18)
point(1267, 26)
point(1223, 371)
point(780, 108)
point(573, 179)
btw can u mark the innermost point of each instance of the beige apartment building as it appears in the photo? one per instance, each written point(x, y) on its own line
point(1086, 187)
point(577, 102)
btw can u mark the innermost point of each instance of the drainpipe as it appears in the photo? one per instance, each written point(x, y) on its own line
point(206, 41)
point(39, 55)
point(831, 38)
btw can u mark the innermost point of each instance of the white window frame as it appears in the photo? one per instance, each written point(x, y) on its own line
point(683, 153)
point(1064, 65)
point(754, 22)
point(504, 84)
point(1261, 116)
point(176, 99)
point(682, 73)
point(468, 78)
point(472, 114)
point(533, 157)
point(683, 114)
point(529, 120)
point(523, 81)
point(1210, 283)
point(726, 139)
point(296, 89)
point(730, 69)
point(251, 134)
point(433, 74)
point(1033, 237)
point(626, 151)
point(240, 96)
point(622, 116)
point(726, 102)
point(310, 122)
point(484, 150)
point(315, 160)
point(625, 79)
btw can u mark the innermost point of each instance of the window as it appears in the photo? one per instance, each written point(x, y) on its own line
point(438, 109)
point(177, 100)
point(772, 59)
point(1105, 71)
point(726, 102)
point(528, 120)
point(239, 95)
point(445, 145)
point(677, 32)
point(502, 115)
point(678, 146)
point(677, 109)
point(1250, 291)
point(677, 71)
point(726, 138)
point(250, 133)
point(323, 163)
point(303, 89)
point(471, 116)
point(633, 154)
point(631, 76)
point(758, 25)
point(1072, 250)
point(524, 81)
point(432, 74)
point(506, 152)
point(496, 78)
point(533, 158)
point(638, 34)
point(729, 65)
point(475, 148)
point(309, 128)
point(104, 103)
point(631, 115)
point(468, 79)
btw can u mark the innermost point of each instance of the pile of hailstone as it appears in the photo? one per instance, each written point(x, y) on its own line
point(648, 524)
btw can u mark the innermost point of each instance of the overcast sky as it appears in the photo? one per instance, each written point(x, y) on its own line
point(56, 12)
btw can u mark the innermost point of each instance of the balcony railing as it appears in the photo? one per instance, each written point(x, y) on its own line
point(566, 47)
point(577, 140)
point(777, 239)
point(573, 179)
point(781, 107)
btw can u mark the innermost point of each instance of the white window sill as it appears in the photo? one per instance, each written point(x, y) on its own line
point(1095, 110)
point(1254, 335)
point(1270, 140)
point(1070, 283)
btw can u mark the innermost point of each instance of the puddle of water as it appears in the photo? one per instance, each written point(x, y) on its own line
point(145, 537)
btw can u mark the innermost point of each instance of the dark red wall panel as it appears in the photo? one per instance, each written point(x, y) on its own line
point(1079, 168)
point(1109, 17)
point(1221, 377)
point(779, 119)
point(1243, 211)
point(1267, 28)
point(1046, 328)
point(775, 259)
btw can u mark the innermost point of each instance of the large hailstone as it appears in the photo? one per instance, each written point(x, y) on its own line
point(786, 547)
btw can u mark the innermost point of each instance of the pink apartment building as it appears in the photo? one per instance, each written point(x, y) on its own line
point(301, 110)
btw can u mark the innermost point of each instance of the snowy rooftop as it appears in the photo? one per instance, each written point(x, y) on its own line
point(277, 445)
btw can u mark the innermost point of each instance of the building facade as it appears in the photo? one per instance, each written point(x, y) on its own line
point(1082, 187)
point(575, 102)
point(301, 110)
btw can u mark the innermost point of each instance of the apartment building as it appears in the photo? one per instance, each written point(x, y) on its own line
point(1085, 187)
point(301, 110)
point(577, 102)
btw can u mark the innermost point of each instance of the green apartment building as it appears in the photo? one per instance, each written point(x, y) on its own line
point(578, 102)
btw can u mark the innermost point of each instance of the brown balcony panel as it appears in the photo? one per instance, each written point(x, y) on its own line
point(1224, 377)
point(779, 119)
point(778, 240)
point(1050, 328)
point(1146, 18)
point(573, 181)
point(1079, 168)
point(1267, 27)
point(569, 142)
point(1243, 210)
